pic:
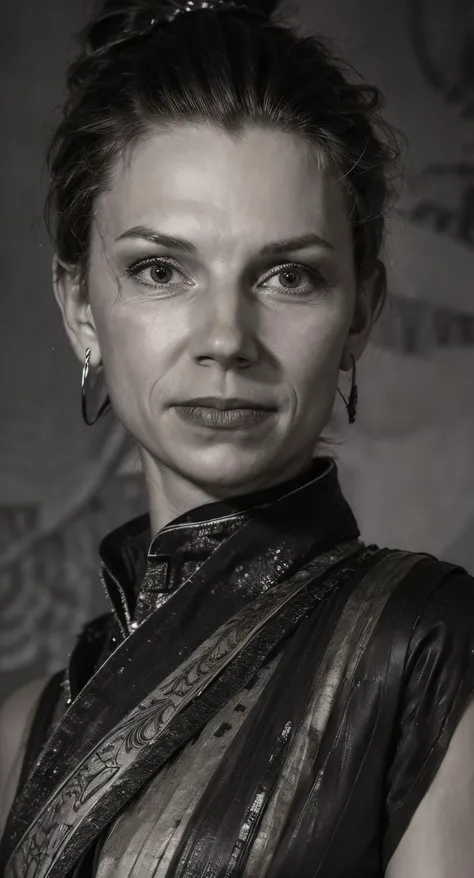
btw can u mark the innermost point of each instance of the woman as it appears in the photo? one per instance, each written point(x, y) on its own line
point(268, 696)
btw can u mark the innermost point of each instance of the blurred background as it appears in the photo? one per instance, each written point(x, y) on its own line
point(407, 465)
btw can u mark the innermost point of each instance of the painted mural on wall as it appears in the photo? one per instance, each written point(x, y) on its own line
point(408, 462)
point(409, 465)
point(61, 487)
point(53, 587)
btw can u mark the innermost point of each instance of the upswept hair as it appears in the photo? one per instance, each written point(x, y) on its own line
point(225, 68)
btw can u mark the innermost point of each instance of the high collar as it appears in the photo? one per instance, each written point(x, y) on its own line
point(141, 570)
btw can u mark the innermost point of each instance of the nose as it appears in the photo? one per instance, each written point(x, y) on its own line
point(225, 328)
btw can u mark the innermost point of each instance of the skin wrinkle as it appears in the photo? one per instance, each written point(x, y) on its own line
point(227, 330)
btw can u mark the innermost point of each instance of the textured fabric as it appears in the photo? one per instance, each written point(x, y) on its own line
point(280, 710)
point(306, 514)
point(88, 785)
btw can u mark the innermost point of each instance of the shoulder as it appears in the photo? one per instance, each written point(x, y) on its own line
point(16, 715)
point(436, 642)
point(439, 660)
point(440, 596)
point(430, 616)
point(439, 666)
point(423, 588)
point(414, 596)
point(431, 844)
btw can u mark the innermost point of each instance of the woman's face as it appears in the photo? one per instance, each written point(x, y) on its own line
point(221, 267)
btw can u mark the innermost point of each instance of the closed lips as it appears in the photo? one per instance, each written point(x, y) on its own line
point(225, 404)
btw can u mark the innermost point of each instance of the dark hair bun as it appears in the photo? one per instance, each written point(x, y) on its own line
point(118, 20)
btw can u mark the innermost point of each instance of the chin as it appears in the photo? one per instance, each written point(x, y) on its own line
point(226, 468)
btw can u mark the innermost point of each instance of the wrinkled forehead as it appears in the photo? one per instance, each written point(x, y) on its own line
point(259, 185)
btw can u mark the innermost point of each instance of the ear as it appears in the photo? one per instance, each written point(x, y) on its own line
point(369, 301)
point(76, 312)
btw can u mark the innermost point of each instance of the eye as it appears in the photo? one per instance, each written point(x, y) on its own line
point(157, 273)
point(295, 280)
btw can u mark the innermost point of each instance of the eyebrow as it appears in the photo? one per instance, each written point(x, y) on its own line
point(310, 239)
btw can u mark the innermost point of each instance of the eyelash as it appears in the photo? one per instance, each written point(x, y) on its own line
point(135, 270)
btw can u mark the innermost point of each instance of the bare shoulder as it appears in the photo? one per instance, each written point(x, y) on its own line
point(16, 714)
point(434, 846)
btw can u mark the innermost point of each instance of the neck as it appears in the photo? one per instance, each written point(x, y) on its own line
point(171, 494)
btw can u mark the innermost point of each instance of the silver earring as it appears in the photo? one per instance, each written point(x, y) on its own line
point(87, 390)
point(351, 403)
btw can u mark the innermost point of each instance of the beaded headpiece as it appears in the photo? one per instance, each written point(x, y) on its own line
point(214, 5)
point(116, 26)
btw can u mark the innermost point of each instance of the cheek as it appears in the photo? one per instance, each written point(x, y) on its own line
point(311, 348)
point(137, 341)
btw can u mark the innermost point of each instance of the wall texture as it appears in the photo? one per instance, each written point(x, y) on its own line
point(407, 464)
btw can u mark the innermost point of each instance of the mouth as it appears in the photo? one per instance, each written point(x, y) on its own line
point(223, 404)
point(219, 413)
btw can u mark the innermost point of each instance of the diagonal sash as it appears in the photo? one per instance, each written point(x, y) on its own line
point(208, 599)
point(103, 779)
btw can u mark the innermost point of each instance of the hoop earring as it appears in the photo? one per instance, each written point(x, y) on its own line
point(106, 405)
point(351, 403)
